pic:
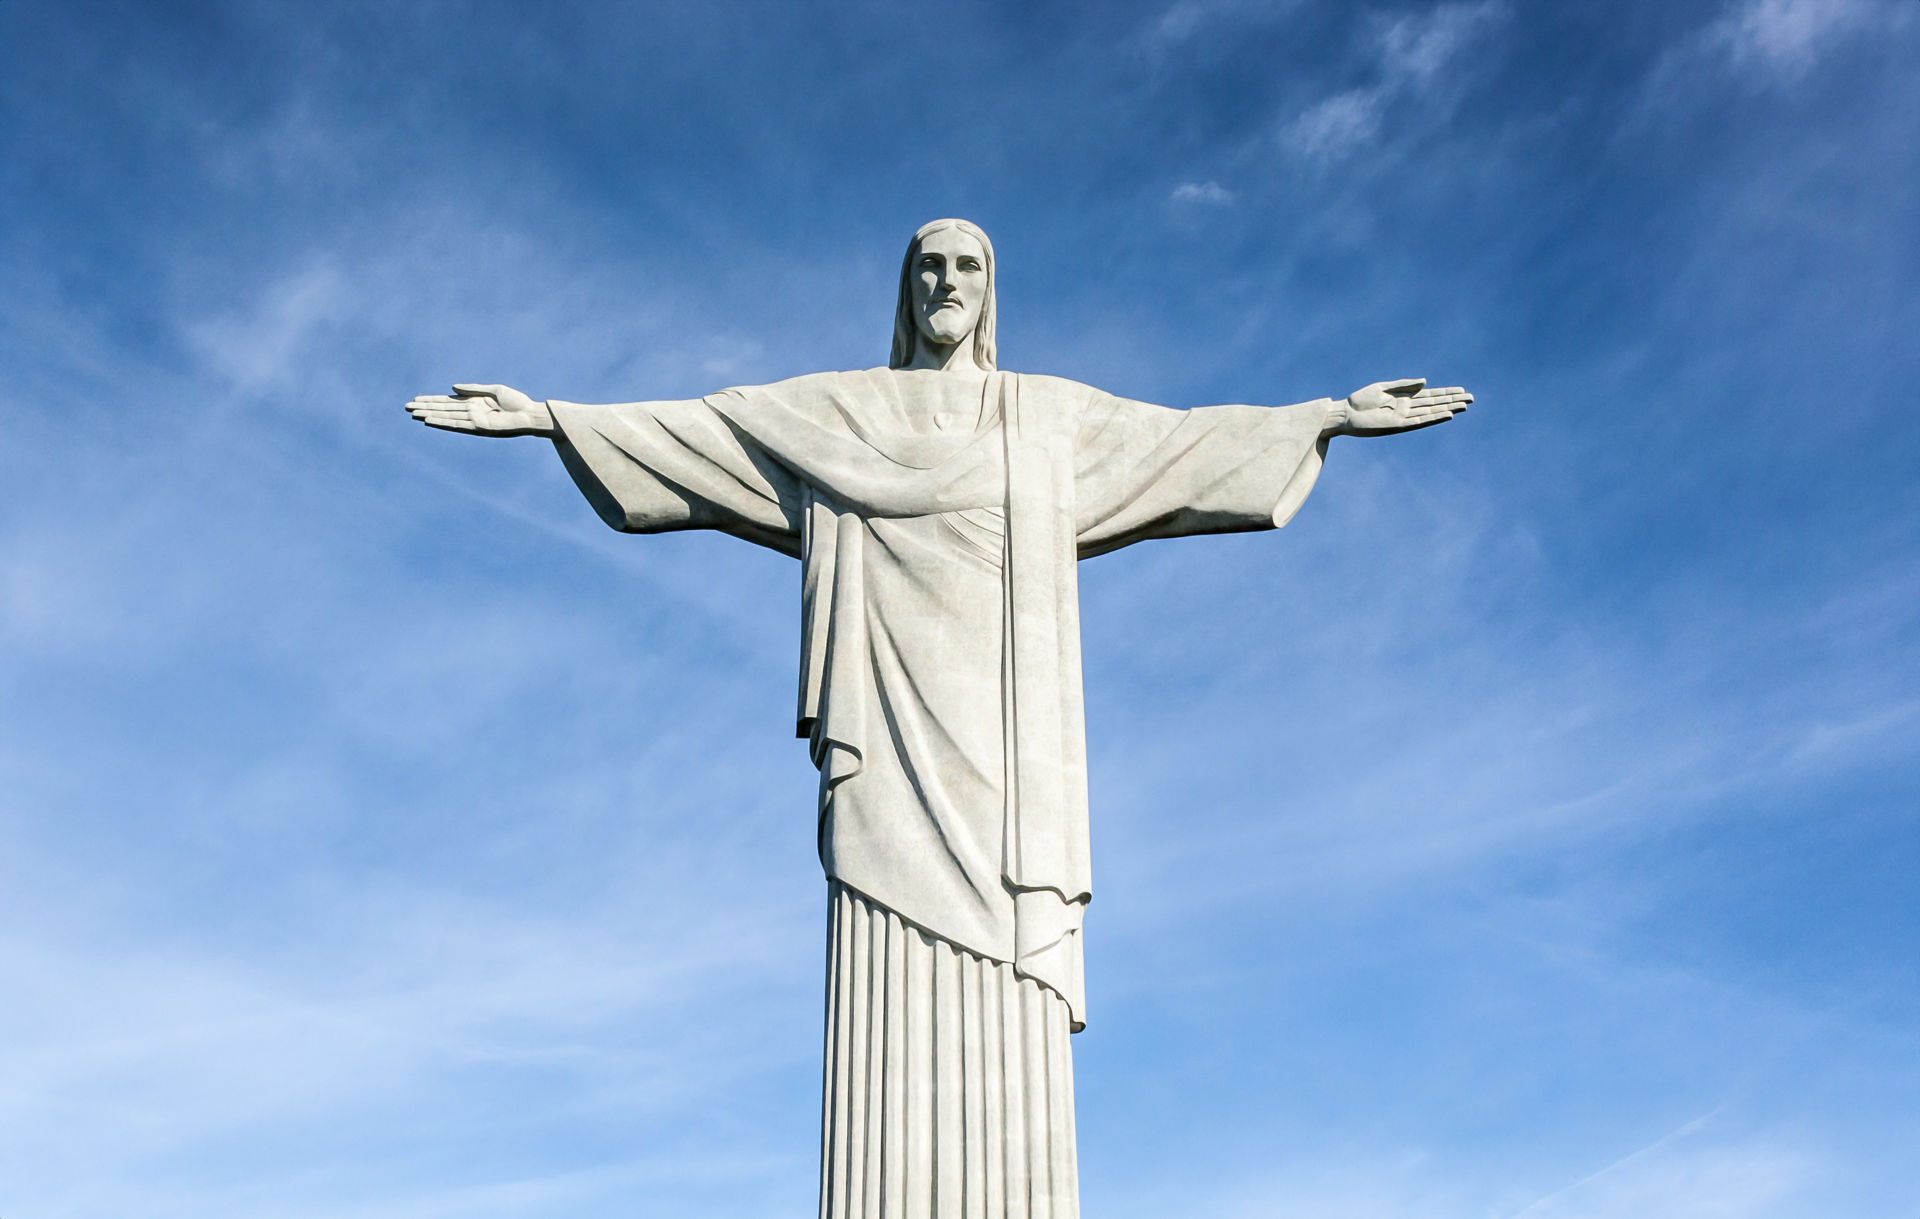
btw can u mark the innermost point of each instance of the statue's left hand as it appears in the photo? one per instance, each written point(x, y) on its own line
point(485, 410)
point(1399, 406)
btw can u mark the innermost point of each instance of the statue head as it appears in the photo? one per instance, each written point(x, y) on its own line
point(946, 293)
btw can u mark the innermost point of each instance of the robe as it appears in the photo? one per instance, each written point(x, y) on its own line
point(938, 518)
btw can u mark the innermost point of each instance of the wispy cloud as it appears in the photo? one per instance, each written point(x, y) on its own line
point(1770, 45)
point(272, 344)
point(1340, 125)
point(1685, 1173)
point(1671, 1178)
point(1186, 21)
point(1415, 55)
point(1783, 39)
point(1206, 194)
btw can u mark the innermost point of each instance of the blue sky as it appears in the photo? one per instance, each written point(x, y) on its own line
point(1526, 832)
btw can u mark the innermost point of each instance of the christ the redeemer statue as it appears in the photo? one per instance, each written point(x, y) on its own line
point(938, 507)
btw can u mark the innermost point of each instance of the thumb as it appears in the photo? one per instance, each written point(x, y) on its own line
point(1407, 387)
point(479, 391)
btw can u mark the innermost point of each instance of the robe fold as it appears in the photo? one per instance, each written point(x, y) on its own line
point(938, 518)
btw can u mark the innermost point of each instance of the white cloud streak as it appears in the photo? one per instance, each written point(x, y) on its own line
point(1205, 194)
point(1416, 54)
point(1770, 45)
point(1783, 40)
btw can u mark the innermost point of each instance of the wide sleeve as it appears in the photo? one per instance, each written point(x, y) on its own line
point(653, 467)
point(1143, 471)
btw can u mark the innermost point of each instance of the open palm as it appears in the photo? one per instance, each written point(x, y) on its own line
point(484, 410)
point(1401, 406)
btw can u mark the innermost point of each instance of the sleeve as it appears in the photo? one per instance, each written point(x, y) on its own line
point(654, 467)
point(1143, 471)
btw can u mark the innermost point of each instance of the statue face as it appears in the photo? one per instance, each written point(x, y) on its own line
point(949, 286)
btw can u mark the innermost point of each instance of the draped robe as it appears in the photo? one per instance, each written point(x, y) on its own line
point(938, 518)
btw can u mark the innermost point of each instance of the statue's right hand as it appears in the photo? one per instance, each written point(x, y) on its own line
point(484, 410)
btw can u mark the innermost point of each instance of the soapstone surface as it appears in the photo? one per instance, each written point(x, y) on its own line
point(938, 508)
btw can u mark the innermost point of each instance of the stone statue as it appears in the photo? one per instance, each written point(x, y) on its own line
point(938, 507)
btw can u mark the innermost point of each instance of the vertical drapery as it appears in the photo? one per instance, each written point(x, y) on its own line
point(948, 1090)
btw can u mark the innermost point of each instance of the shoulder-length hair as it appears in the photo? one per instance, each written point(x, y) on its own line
point(906, 335)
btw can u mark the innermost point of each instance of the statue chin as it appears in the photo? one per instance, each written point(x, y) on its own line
point(945, 330)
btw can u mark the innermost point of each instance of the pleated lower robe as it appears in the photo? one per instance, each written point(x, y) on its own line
point(948, 1091)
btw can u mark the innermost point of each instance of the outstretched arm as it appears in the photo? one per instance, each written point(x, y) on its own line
point(646, 467)
point(1146, 471)
point(484, 410)
point(1386, 407)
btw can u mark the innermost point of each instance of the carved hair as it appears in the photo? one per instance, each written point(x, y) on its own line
point(906, 335)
